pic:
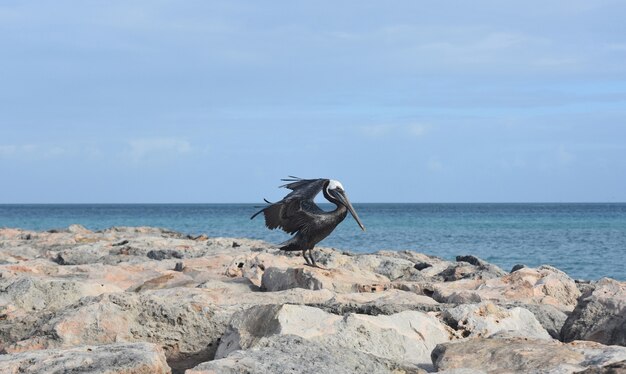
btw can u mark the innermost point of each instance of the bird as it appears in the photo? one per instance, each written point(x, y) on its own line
point(298, 215)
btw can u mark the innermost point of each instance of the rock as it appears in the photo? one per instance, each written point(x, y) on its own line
point(338, 280)
point(471, 267)
point(393, 268)
point(543, 285)
point(188, 331)
point(29, 294)
point(550, 317)
point(79, 229)
point(179, 266)
point(163, 254)
point(485, 319)
point(386, 302)
point(421, 266)
point(122, 358)
point(600, 315)
point(517, 267)
point(523, 355)
point(290, 353)
point(407, 337)
point(614, 368)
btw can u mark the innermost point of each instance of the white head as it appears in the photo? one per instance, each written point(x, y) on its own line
point(333, 184)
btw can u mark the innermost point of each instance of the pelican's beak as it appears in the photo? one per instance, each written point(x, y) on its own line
point(341, 195)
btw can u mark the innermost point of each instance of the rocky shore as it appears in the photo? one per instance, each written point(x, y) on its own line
point(148, 300)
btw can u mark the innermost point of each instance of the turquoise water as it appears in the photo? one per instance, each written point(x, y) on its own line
point(587, 241)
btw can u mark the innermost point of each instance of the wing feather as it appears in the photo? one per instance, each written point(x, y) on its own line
point(296, 211)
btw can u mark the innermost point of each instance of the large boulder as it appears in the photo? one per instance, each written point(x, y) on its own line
point(543, 285)
point(600, 315)
point(470, 267)
point(338, 280)
point(119, 358)
point(407, 337)
point(186, 330)
point(485, 319)
point(294, 354)
point(507, 354)
point(550, 317)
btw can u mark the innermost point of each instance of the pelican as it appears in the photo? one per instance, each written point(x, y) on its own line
point(298, 214)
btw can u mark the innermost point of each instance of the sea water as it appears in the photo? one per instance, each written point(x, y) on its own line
point(588, 241)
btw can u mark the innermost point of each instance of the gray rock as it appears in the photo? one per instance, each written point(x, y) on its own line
point(471, 267)
point(600, 315)
point(187, 332)
point(126, 358)
point(614, 368)
point(294, 354)
point(505, 354)
point(164, 254)
point(407, 337)
point(485, 319)
point(550, 317)
point(517, 267)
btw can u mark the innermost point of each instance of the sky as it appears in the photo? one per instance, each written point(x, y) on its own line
point(402, 101)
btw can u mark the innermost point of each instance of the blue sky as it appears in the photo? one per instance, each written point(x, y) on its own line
point(402, 101)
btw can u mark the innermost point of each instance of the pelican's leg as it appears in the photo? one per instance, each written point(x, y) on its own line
point(312, 258)
point(306, 258)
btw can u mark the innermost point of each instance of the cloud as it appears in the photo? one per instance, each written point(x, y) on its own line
point(16, 150)
point(417, 129)
point(142, 149)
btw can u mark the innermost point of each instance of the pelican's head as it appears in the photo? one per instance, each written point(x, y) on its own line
point(335, 190)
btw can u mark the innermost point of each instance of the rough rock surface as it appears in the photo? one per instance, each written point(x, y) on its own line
point(407, 337)
point(119, 358)
point(485, 319)
point(506, 354)
point(66, 289)
point(294, 354)
point(600, 315)
point(544, 285)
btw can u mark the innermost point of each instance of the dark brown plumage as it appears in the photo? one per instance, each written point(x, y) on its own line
point(297, 213)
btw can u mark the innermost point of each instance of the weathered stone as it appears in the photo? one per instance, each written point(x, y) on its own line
point(290, 353)
point(163, 254)
point(485, 319)
point(507, 354)
point(407, 337)
point(338, 280)
point(186, 330)
point(549, 316)
point(600, 315)
point(544, 285)
point(614, 368)
point(471, 267)
point(119, 358)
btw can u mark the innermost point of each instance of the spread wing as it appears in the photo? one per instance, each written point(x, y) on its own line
point(296, 211)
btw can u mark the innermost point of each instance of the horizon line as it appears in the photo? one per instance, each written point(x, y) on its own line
point(325, 202)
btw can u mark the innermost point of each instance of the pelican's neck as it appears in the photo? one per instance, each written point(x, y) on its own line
point(339, 207)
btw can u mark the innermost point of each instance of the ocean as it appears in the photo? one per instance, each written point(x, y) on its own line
point(588, 241)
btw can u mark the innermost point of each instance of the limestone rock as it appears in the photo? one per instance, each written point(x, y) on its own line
point(407, 337)
point(485, 319)
point(119, 358)
point(600, 315)
point(507, 354)
point(338, 280)
point(183, 328)
point(543, 285)
point(290, 353)
point(614, 368)
point(549, 316)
